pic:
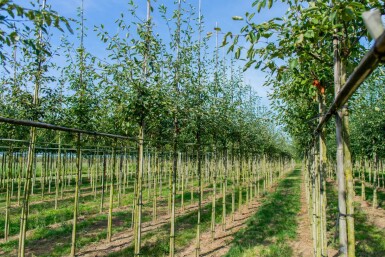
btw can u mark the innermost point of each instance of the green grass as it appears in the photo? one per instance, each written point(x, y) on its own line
point(273, 225)
point(370, 240)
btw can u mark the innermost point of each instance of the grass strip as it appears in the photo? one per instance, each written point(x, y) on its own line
point(270, 229)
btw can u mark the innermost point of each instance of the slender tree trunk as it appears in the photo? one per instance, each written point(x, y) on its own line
point(20, 176)
point(198, 138)
point(182, 171)
point(176, 135)
point(155, 195)
point(240, 174)
point(323, 162)
point(120, 178)
point(113, 168)
point(343, 248)
point(314, 202)
point(138, 207)
point(31, 153)
point(173, 194)
point(348, 170)
point(200, 191)
point(224, 187)
point(375, 180)
point(8, 195)
point(58, 172)
point(103, 181)
point(77, 192)
point(214, 172)
point(233, 184)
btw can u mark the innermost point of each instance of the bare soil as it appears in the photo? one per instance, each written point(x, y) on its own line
point(376, 216)
point(303, 245)
point(221, 243)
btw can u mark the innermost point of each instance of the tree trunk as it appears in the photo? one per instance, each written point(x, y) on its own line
point(343, 248)
point(323, 162)
point(348, 170)
point(76, 201)
point(110, 207)
point(138, 207)
point(8, 195)
point(58, 172)
point(224, 188)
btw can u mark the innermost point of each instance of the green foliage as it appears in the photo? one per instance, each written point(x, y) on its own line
point(12, 31)
point(368, 118)
point(296, 49)
point(135, 83)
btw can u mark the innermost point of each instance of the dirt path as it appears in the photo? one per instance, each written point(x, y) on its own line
point(303, 246)
point(222, 242)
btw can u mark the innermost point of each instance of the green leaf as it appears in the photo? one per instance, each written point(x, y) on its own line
point(293, 64)
point(358, 6)
point(309, 34)
point(348, 13)
point(238, 53)
point(300, 39)
point(237, 18)
point(48, 20)
point(260, 5)
point(248, 64)
point(332, 16)
point(250, 16)
point(69, 28)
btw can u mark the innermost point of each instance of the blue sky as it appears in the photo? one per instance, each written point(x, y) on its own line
point(106, 12)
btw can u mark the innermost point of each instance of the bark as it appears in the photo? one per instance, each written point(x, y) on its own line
point(76, 201)
point(348, 171)
point(343, 247)
point(138, 201)
point(113, 168)
point(323, 162)
point(58, 172)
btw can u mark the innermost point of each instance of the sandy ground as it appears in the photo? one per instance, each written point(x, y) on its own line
point(303, 246)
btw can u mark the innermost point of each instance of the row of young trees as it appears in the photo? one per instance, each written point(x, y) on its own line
point(308, 55)
point(107, 182)
point(162, 93)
